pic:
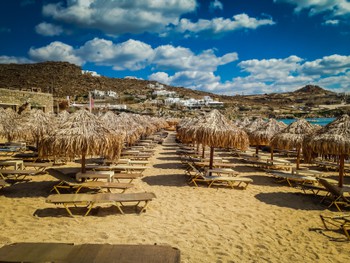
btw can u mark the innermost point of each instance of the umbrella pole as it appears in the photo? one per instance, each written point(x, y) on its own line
point(341, 170)
point(257, 149)
point(298, 158)
point(203, 151)
point(271, 152)
point(83, 169)
point(211, 158)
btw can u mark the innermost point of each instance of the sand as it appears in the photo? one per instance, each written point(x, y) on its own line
point(267, 222)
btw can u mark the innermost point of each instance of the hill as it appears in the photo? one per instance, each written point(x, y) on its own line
point(64, 79)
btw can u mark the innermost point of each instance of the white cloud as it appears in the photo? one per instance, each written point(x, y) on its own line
point(271, 69)
point(15, 60)
point(55, 51)
point(332, 22)
point(47, 29)
point(334, 7)
point(119, 17)
point(131, 54)
point(329, 65)
point(221, 25)
point(268, 75)
point(180, 58)
point(215, 5)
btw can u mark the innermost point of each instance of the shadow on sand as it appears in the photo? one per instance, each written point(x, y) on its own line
point(299, 201)
point(80, 211)
point(166, 180)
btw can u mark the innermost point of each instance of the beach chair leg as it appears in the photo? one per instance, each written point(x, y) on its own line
point(118, 205)
point(90, 206)
point(143, 209)
point(68, 210)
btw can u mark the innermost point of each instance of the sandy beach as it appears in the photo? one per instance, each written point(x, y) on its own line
point(267, 222)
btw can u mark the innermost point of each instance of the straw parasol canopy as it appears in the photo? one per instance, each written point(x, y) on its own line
point(263, 134)
point(333, 139)
point(10, 124)
point(214, 130)
point(36, 124)
point(292, 137)
point(82, 134)
point(241, 123)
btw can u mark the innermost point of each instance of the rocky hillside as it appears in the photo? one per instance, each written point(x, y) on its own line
point(65, 79)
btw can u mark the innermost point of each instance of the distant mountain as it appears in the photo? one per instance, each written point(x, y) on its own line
point(64, 79)
point(313, 89)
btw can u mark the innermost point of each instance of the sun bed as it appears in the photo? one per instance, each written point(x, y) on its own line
point(290, 178)
point(81, 253)
point(17, 164)
point(342, 222)
point(91, 185)
point(337, 195)
point(17, 174)
point(95, 175)
point(199, 176)
point(69, 183)
point(90, 200)
point(38, 166)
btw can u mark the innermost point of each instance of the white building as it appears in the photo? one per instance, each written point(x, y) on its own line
point(163, 92)
point(92, 73)
point(98, 93)
point(112, 94)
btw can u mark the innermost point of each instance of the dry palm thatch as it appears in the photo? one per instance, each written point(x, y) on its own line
point(254, 125)
point(132, 130)
point(36, 124)
point(10, 124)
point(333, 139)
point(82, 134)
point(242, 122)
point(214, 130)
point(183, 128)
point(113, 122)
point(263, 135)
point(292, 137)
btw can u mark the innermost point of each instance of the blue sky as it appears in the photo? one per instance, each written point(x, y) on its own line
point(221, 46)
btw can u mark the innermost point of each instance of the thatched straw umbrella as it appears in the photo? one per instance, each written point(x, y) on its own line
point(333, 139)
point(254, 125)
point(36, 124)
point(10, 122)
point(129, 129)
point(292, 137)
point(241, 123)
point(263, 135)
point(214, 130)
point(82, 134)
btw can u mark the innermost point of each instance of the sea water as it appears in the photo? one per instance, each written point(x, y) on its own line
point(319, 121)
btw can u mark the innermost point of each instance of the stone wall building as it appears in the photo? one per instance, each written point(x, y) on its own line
point(14, 99)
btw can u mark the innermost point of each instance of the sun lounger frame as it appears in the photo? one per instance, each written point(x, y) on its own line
point(90, 200)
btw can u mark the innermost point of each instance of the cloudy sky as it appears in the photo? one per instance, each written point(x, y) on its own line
point(221, 46)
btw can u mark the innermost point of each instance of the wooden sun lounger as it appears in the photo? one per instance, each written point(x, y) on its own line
point(18, 174)
point(92, 184)
point(342, 222)
point(95, 175)
point(198, 176)
point(337, 195)
point(90, 200)
point(289, 178)
point(126, 176)
point(82, 253)
point(38, 166)
point(17, 164)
